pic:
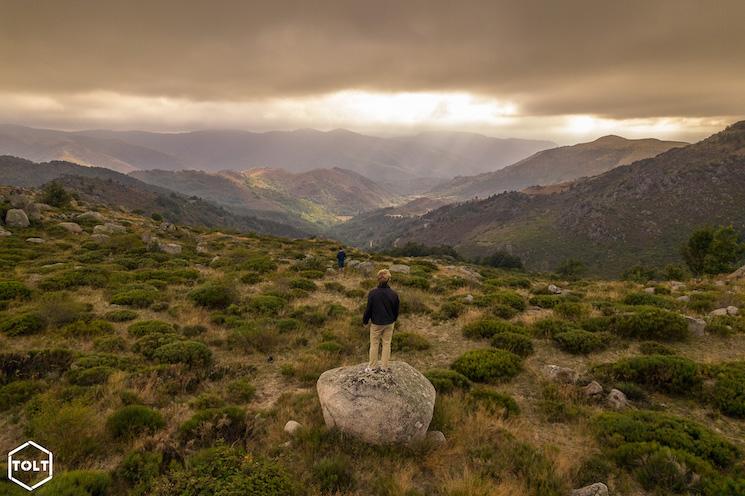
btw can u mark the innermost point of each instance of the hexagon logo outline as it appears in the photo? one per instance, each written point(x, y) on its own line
point(39, 447)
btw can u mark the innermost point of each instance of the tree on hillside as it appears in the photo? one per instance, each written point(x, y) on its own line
point(503, 259)
point(713, 250)
point(55, 195)
point(571, 269)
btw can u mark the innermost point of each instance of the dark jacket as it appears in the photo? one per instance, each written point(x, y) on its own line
point(341, 256)
point(382, 306)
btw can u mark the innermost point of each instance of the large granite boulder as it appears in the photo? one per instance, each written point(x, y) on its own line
point(377, 407)
point(16, 217)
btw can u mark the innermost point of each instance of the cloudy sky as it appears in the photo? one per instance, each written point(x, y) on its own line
point(563, 70)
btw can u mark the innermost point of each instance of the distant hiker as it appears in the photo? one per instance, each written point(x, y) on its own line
point(382, 311)
point(340, 258)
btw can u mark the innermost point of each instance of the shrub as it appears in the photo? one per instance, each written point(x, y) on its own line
point(34, 364)
point(214, 295)
point(409, 341)
point(89, 376)
point(18, 392)
point(582, 342)
point(702, 302)
point(450, 310)
point(252, 338)
point(148, 344)
point(23, 325)
point(59, 309)
point(502, 259)
point(304, 284)
point(728, 394)
point(642, 298)
point(138, 298)
point(110, 344)
point(250, 278)
point(713, 250)
point(651, 323)
point(487, 328)
point(654, 348)
point(72, 428)
point(493, 401)
point(86, 276)
point(143, 327)
point(82, 329)
point(55, 195)
point(546, 301)
point(671, 374)
point(226, 471)
point(266, 304)
point(509, 298)
point(334, 474)
point(287, 325)
point(548, 328)
point(519, 344)
point(207, 426)
point(77, 483)
point(503, 311)
point(241, 391)
point(120, 315)
point(571, 310)
point(446, 381)
point(418, 282)
point(138, 469)
point(192, 353)
point(133, 420)
point(10, 290)
point(193, 330)
point(487, 365)
point(596, 324)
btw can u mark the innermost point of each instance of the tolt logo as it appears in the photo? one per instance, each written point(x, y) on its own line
point(30, 465)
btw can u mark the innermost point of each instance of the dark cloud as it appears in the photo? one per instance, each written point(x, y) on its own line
point(628, 59)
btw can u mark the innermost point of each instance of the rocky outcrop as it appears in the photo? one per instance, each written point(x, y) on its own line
point(697, 327)
point(91, 216)
point(109, 228)
point(71, 227)
point(400, 268)
point(561, 375)
point(16, 217)
point(377, 407)
point(617, 400)
point(597, 489)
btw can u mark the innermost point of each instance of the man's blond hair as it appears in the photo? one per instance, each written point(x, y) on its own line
point(384, 275)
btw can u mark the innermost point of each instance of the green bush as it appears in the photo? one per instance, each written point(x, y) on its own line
point(252, 338)
point(582, 342)
point(571, 310)
point(728, 394)
point(214, 295)
point(304, 284)
point(18, 392)
point(546, 301)
point(34, 364)
point(259, 264)
point(10, 290)
point(192, 353)
point(493, 401)
point(665, 373)
point(23, 325)
point(133, 420)
point(651, 323)
point(446, 381)
point(450, 310)
point(86, 276)
point(548, 328)
point(287, 325)
point(138, 469)
point(409, 341)
point(138, 298)
point(110, 344)
point(193, 330)
point(502, 311)
point(334, 474)
point(250, 278)
point(77, 483)
point(143, 327)
point(519, 344)
point(417, 282)
point(241, 391)
point(212, 424)
point(487, 328)
point(82, 329)
point(60, 308)
point(487, 365)
point(642, 298)
point(654, 348)
point(89, 376)
point(120, 315)
point(226, 471)
point(509, 298)
point(266, 304)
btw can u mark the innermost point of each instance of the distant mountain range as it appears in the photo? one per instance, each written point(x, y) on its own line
point(638, 213)
point(101, 185)
point(321, 196)
point(565, 163)
point(406, 165)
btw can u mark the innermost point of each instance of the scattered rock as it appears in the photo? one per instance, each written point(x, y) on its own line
point(400, 268)
point(168, 227)
point(593, 389)
point(4, 233)
point(202, 248)
point(109, 228)
point(738, 273)
point(649, 290)
point(718, 312)
point(597, 489)
point(100, 238)
point(291, 427)
point(378, 407)
point(330, 271)
point(170, 248)
point(554, 289)
point(697, 327)
point(35, 240)
point(676, 285)
point(684, 298)
point(436, 437)
point(468, 298)
point(71, 227)
point(732, 310)
point(367, 268)
point(91, 215)
point(19, 200)
point(563, 375)
point(720, 283)
point(617, 399)
point(33, 212)
point(16, 217)
point(353, 263)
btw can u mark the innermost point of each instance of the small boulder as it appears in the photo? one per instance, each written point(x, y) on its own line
point(554, 289)
point(291, 427)
point(170, 248)
point(732, 310)
point(684, 298)
point(617, 400)
point(592, 390)
point(4, 233)
point(352, 263)
point(366, 268)
point(468, 298)
point(738, 273)
point(38, 241)
point(33, 212)
point(100, 238)
point(650, 290)
point(562, 375)
point(91, 216)
point(16, 217)
point(330, 271)
point(400, 268)
point(167, 227)
point(597, 489)
point(697, 327)
point(718, 312)
point(202, 248)
point(19, 200)
point(436, 437)
point(109, 228)
point(377, 407)
point(71, 227)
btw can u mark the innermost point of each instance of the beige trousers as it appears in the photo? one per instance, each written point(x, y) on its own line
point(378, 334)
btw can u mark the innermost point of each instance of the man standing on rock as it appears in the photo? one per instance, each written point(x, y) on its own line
point(382, 311)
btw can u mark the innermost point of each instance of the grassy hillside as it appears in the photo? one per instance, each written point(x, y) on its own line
point(173, 373)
